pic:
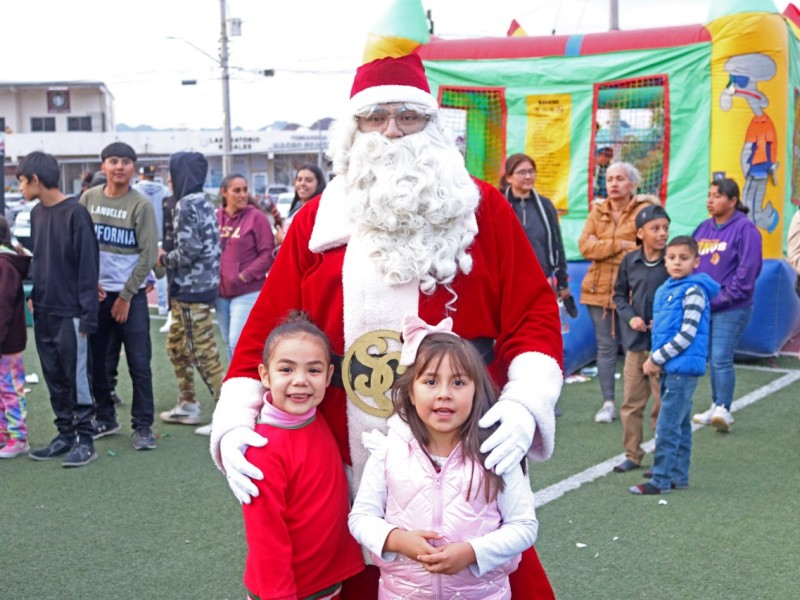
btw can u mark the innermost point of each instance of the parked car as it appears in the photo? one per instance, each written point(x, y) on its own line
point(14, 204)
point(284, 202)
point(22, 225)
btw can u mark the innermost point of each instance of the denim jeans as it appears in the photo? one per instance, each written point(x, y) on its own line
point(232, 314)
point(674, 431)
point(606, 332)
point(161, 292)
point(727, 328)
point(135, 336)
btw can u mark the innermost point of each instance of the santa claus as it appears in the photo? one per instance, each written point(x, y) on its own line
point(403, 229)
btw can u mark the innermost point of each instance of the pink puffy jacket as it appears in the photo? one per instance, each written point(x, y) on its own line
point(420, 498)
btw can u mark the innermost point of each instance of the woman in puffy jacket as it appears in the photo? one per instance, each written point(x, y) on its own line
point(609, 234)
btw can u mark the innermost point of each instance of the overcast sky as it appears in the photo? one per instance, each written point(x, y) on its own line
point(313, 45)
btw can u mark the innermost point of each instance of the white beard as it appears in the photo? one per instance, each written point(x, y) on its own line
point(414, 203)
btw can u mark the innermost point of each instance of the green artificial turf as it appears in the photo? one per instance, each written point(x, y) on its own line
point(163, 525)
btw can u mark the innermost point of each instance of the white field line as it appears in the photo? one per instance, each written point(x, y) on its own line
point(765, 369)
point(555, 491)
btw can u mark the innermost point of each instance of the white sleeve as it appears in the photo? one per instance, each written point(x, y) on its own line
point(519, 528)
point(535, 381)
point(240, 403)
point(366, 521)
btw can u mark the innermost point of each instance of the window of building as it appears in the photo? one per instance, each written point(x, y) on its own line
point(43, 123)
point(79, 123)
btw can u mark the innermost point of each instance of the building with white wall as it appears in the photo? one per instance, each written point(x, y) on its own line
point(74, 121)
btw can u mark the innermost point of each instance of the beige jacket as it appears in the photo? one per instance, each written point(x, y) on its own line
point(601, 243)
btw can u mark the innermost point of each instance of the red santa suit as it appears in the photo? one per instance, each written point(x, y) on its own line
point(324, 269)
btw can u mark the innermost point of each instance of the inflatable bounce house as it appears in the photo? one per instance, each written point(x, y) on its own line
point(684, 104)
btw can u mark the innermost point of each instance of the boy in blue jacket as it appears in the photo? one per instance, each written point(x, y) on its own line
point(681, 316)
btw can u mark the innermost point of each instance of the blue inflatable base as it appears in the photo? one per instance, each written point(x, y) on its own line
point(776, 316)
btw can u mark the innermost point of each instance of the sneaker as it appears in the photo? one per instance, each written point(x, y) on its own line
point(204, 430)
point(81, 453)
point(704, 418)
point(607, 413)
point(102, 429)
point(646, 489)
point(60, 445)
point(143, 439)
point(165, 327)
point(117, 400)
point(626, 465)
point(722, 419)
point(14, 448)
point(185, 413)
point(163, 310)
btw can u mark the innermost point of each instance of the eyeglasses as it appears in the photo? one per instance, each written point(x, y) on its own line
point(407, 121)
point(525, 172)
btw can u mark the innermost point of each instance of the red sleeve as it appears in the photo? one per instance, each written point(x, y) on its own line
point(528, 311)
point(506, 297)
point(269, 572)
point(281, 293)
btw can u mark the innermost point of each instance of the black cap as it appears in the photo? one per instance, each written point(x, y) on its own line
point(650, 212)
point(149, 170)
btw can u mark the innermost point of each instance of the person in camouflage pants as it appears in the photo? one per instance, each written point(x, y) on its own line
point(193, 266)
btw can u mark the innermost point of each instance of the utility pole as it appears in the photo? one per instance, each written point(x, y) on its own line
point(613, 6)
point(227, 158)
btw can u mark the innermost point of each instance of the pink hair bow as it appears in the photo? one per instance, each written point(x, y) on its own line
point(414, 331)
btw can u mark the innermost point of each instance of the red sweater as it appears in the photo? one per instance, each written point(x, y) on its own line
point(296, 527)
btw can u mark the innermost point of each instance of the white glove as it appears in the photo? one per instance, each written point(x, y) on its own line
point(510, 443)
point(238, 471)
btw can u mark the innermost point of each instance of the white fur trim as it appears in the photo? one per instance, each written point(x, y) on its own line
point(333, 225)
point(369, 304)
point(384, 94)
point(534, 381)
point(240, 402)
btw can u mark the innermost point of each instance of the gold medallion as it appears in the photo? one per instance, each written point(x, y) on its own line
point(369, 370)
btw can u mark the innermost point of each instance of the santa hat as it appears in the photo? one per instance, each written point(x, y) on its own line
point(391, 80)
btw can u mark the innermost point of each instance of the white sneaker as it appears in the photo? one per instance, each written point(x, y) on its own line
point(606, 414)
point(704, 418)
point(185, 413)
point(204, 430)
point(722, 419)
point(163, 310)
point(165, 327)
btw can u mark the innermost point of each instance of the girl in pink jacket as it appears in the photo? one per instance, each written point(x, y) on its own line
point(436, 522)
